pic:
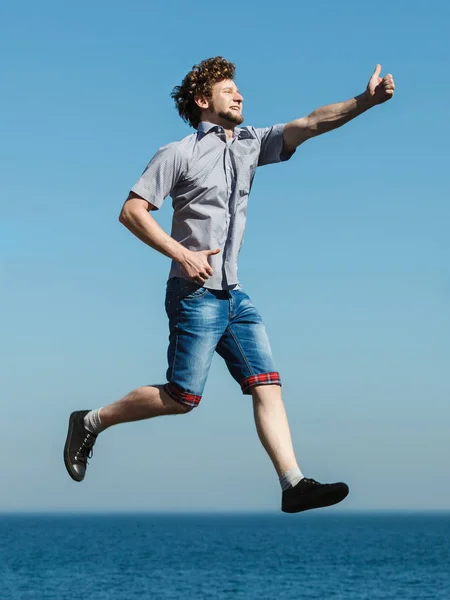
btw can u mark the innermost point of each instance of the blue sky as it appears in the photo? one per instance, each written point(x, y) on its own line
point(346, 252)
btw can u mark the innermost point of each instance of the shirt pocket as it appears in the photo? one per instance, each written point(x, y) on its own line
point(245, 182)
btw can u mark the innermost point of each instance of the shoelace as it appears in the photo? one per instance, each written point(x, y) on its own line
point(86, 450)
point(311, 481)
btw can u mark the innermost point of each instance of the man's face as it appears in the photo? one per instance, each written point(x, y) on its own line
point(226, 102)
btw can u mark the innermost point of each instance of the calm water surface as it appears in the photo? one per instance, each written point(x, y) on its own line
point(328, 555)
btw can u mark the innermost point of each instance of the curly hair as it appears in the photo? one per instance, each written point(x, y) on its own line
point(199, 82)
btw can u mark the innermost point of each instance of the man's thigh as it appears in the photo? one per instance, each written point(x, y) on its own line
point(197, 320)
point(245, 345)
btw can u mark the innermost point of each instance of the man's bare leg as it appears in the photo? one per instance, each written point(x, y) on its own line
point(299, 493)
point(142, 403)
point(84, 426)
point(273, 427)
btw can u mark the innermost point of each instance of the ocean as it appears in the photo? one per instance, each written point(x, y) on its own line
point(324, 555)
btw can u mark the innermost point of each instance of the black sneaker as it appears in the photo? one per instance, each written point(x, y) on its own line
point(79, 444)
point(309, 493)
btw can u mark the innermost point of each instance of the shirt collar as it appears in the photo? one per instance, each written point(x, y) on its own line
point(205, 127)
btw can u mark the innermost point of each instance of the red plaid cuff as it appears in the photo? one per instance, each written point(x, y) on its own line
point(262, 379)
point(177, 394)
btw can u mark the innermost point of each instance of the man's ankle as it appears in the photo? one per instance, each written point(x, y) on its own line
point(92, 421)
point(290, 478)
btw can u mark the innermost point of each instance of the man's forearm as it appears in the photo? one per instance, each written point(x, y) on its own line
point(323, 119)
point(330, 117)
point(144, 227)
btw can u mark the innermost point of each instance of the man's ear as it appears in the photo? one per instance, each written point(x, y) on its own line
point(202, 102)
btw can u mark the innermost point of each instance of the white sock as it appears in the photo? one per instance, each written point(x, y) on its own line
point(92, 421)
point(290, 478)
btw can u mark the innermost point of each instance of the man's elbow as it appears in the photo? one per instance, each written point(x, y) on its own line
point(123, 218)
point(129, 206)
point(135, 208)
point(127, 215)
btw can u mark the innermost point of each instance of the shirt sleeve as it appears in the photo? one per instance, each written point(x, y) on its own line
point(160, 176)
point(271, 140)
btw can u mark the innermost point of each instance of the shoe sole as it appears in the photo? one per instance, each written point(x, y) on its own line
point(330, 499)
point(72, 473)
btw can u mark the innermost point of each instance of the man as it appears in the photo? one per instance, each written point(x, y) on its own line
point(209, 175)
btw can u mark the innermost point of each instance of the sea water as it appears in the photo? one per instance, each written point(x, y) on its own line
point(327, 555)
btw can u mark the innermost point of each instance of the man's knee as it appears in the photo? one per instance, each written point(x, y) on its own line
point(182, 401)
point(183, 408)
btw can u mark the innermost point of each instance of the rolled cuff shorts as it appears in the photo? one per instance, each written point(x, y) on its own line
point(204, 321)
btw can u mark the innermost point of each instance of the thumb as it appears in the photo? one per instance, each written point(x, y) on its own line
point(377, 71)
point(209, 252)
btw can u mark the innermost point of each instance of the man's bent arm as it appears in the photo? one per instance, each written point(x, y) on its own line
point(136, 217)
point(333, 116)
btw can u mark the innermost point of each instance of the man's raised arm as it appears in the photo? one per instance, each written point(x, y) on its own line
point(330, 117)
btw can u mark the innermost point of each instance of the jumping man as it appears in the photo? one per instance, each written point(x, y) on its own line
point(209, 175)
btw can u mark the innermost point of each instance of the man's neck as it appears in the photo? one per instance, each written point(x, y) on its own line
point(229, 133)
point(216, 120)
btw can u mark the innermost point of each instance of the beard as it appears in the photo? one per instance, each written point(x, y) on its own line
point(231, 117)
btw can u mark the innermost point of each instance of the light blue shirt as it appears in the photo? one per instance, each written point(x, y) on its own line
point(209, 181)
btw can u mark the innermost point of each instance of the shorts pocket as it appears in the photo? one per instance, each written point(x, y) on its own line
point(183, 289)
point(198, 293)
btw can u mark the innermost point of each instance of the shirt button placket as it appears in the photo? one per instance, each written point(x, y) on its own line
point(229, 181)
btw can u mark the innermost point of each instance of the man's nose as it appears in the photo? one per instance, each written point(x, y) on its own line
point(238, 97)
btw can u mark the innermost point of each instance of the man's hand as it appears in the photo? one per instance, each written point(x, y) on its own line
point(379, 89)
point(196, 265)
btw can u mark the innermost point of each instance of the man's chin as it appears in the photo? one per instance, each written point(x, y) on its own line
point(234, 118)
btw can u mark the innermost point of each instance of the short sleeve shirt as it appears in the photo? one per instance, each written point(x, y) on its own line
point(209, 181)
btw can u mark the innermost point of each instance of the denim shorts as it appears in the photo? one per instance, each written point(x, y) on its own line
point(203, 321)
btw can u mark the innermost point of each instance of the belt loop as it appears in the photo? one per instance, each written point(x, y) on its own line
point(230, 302)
